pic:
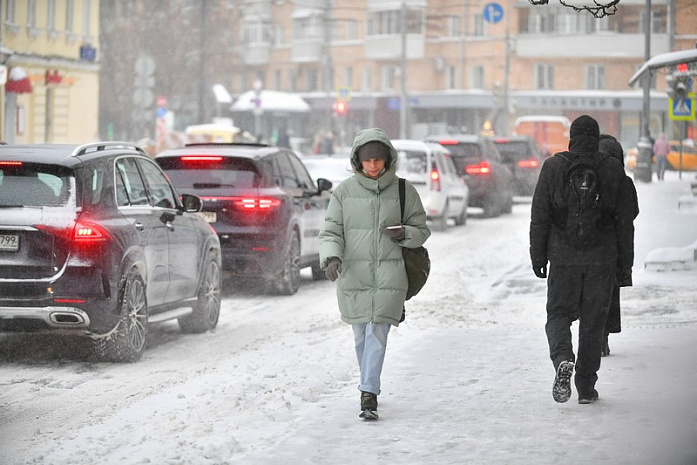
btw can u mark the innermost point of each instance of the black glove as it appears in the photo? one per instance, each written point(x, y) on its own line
point(404, 314)
point(624, 277)
point(333, 269)
point(540, 269)
point(396, 234)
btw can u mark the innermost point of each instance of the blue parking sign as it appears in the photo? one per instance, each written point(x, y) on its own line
point(493, 13)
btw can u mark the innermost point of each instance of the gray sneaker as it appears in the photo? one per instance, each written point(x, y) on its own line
point(369, 406)
point(561, 391)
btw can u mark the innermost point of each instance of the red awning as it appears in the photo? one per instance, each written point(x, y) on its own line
point(18, 81)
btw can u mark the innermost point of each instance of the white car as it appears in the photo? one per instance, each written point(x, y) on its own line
point(429, 167)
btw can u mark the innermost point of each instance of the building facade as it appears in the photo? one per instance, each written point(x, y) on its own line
point(412, 67)
point(49, 56)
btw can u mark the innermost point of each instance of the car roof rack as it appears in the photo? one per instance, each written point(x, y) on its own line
point(99, 146)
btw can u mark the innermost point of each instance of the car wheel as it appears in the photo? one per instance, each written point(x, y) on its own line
point(492, 208)
point(126, 342)
point(461, 219)
point(206, 311)
point(289, 281)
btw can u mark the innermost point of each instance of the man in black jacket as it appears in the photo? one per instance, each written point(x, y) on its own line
point(581, 277)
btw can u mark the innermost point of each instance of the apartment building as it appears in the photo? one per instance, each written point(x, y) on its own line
point(49, 58)
point(468, 66)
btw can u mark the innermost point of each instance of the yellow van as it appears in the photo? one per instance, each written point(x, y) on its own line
point(216, 132)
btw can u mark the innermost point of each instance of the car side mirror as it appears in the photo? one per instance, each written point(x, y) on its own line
point(192, 203)
point(323, 185)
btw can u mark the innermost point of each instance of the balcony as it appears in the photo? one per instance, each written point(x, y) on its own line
point(389, 47)
point(306, 51)
point(589, 46)
point(257, 53)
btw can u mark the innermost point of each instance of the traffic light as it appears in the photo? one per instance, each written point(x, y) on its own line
point(340, 107)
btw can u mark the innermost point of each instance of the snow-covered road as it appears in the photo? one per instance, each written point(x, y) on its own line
point(467, 378)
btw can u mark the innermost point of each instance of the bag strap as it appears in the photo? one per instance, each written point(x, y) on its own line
point(402, 194)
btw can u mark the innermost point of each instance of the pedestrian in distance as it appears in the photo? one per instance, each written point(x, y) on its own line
point(660, 149)
point(628, 207)
point(574, 226)
point(360, 249)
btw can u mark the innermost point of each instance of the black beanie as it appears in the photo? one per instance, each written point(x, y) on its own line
point(584, 126)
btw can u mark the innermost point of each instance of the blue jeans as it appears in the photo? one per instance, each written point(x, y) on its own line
point(371, 343)
point(662, 165)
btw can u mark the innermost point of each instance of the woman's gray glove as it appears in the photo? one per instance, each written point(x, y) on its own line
point(395, 233)
point(333, 269)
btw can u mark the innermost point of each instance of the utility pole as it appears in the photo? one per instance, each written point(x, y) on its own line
point(327, 69)
point(202, 62)
point(643, 170)
point(403, 98)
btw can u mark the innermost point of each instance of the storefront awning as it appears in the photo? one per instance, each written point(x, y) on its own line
point(18, 81)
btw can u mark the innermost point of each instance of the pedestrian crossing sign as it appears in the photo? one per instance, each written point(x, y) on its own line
point(683, 109)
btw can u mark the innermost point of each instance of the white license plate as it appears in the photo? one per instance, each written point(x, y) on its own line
point(9, 242)
point(211, 217)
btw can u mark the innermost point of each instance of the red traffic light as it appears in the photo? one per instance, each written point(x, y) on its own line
point(340, 107)
point(682, 67)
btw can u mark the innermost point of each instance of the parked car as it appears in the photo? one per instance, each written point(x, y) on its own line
point(429, 167)
point(263, 204)
point(689, 157)
point(95, 241)
point(524, 158)
point(479, 162)
point(332, 167)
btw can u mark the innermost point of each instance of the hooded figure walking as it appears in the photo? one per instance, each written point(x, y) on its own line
point(360, 249)
point(582, 273)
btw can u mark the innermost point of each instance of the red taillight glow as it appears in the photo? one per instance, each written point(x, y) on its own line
point(198, 158)
point(10, 163)
point(256, 203)
point(532, 163)
point(435, 180)
point(447, 142)
point(69, 301)
point(482, 168)
point(88, 232)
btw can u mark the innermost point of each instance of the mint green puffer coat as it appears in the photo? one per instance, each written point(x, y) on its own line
point(372, 284)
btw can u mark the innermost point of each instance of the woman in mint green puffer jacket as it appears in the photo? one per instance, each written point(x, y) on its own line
point(364, 257)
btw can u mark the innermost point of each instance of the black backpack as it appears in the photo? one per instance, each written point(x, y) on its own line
point(583, 180)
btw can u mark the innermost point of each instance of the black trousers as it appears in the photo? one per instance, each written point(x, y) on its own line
point(578, 292)
point(613, 324)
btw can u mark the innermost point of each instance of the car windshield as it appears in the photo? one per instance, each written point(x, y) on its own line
point(191, 176)
point(511, 151)
point(33, 185)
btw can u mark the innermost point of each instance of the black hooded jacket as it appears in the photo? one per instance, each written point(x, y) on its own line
point(549, 210)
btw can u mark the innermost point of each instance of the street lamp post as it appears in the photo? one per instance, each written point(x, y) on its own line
point(643, 170)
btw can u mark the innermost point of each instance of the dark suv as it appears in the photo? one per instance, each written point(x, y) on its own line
point(479, 163)
point(263, 204)
point(95, 241)
point(523, 157)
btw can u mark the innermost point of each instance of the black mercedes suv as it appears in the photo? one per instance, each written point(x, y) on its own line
point(263, 204)
point(95, 241)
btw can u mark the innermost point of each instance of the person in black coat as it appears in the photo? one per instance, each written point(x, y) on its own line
point(628, 203)
point(581, 278)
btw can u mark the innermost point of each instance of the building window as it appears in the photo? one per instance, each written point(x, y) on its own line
point(308, 27)
point(567, 23)
point(31, 18)
point(477, 77)
point(277, 79)
point(253, 31)
point(389, 22)
point(279, 35)
point(348, 77)
point(389, 77)
point(595, 77)
point(86, 15)
point(479, 26)
point(453, 26)
point(544, 77)
point(312, 81)
point(293, 78)
point(450, 77)
point(351, 29)
point(542, 20)
point(367, 79)
point(51, 19)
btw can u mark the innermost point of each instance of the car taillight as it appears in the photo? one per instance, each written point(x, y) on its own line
point(201, 158)
point(256, 204)
point(447, 142)
point(85, 231)
point(531, 163)
point(435, 179)
point(10, 163)
point(483, 168)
